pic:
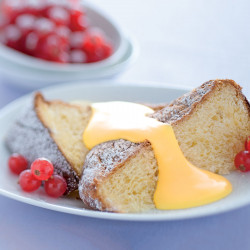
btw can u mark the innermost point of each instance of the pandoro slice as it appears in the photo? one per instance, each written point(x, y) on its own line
point(211, 124)
point(52, 130)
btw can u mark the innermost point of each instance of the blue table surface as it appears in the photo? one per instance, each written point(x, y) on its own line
point(182, 42)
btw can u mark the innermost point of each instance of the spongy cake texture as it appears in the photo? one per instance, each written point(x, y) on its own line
point(115, 174)
point(66, 124)
point(210, 124)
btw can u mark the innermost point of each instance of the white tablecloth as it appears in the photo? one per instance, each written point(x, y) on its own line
point(182, 42)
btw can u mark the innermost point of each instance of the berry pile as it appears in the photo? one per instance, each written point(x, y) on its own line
point(41, 170)
point(242, 159)
point(56, 31)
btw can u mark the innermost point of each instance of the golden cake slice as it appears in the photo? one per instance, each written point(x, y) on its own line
point(52, 130)
point(211, 124)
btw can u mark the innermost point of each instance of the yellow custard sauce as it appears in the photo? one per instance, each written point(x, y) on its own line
point(180, 184)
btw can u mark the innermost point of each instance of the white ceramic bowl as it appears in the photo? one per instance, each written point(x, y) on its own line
point(29, 72)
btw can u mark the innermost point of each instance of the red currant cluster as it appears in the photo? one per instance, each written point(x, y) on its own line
point(242, 159)
point(57, 32)
point(41, 170)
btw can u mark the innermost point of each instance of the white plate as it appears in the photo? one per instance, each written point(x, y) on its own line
point(107, 92)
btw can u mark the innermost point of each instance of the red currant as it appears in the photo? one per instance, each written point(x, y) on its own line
point(12, 34)
point(42, 169)
point(25, 21)
point(3, 21)
point(247, 144)
point(59, 15)
point(77, 40)
point(45, 10)
point(31, 42)
point(44, 26)
point(77, 21)
point(11, 10)
point(96, 47)
point(64, 33)
point(55, 186)
point(52, 48)
point(242, 161)
point(28, 182)
point(77, 56)
point(17, 163)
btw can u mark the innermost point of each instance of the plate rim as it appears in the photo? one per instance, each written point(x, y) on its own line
point(99, 214)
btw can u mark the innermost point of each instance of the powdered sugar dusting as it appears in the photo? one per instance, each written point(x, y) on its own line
point(182, 106)
point(99, 163)
point(29, 137)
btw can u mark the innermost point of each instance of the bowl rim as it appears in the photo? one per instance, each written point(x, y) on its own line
point(39, 79)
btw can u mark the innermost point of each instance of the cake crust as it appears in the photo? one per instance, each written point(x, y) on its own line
point(184, 106)
point(102, 161)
